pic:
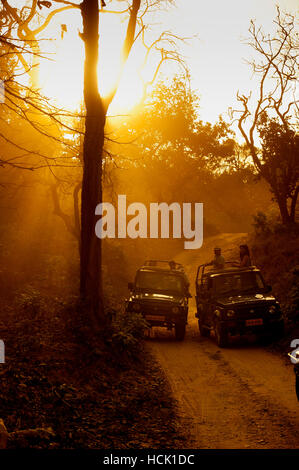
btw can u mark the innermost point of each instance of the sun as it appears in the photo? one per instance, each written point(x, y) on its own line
point(62, 75)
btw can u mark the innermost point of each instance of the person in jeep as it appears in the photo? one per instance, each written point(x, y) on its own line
point(245, 260)
point(218, 262)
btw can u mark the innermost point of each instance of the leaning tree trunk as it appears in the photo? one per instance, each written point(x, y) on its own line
point(90, 253)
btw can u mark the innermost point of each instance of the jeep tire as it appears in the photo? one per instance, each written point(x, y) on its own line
point(221, 335)
point(180, 329)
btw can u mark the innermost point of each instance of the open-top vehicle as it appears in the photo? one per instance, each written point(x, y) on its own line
point(236, 301)
point(160, 293)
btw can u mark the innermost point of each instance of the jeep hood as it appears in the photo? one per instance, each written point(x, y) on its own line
point(153, 297)
point(239, 300)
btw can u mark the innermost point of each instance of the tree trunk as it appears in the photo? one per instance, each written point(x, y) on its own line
point(90, 259)
point(283, 208)
point(293, 205)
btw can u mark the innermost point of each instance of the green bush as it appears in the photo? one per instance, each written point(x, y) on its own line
point(268, 224)
point(128, 331)
point(261, 224)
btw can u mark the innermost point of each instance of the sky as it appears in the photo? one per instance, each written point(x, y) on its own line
point(215, 57)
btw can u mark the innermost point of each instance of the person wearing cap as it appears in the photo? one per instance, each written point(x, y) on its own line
point(218, 262)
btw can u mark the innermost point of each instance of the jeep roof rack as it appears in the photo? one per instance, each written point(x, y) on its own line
point(212, 271)
point(162, 264)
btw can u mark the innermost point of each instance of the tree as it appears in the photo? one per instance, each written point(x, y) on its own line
point(93, 146)
point(173, 151)
point(96, 112)
point(25, 110)
point(280, 154)
point(277, 71)
point(29, 23)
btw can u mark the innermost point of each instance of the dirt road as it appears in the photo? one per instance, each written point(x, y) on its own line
point(240, 397)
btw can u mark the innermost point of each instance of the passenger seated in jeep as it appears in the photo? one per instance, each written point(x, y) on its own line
point(245, 260)
point(218, 262)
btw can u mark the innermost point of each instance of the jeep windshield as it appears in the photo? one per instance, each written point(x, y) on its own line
point(238, 283)
point(159, 282)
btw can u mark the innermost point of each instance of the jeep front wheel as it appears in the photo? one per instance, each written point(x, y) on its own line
point(221, 335)
point(180, 329)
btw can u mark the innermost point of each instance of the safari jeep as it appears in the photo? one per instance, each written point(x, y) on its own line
point(161, 295)
point(236, 301)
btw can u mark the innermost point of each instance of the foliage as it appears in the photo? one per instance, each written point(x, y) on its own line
point(268, 224)
point(274, 113)
point(169, 131)
point(260, 223)
point(164, 152)
point(128, 331)
point(276, 253)
point(291, 303)
point(59, 393)
point(30, 300)
point(280, 155)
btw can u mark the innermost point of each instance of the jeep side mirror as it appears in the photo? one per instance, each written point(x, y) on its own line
point(130, 285)
point(268, 288)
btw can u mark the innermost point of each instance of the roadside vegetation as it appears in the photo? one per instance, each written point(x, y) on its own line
point(275, 251)
point(63, 386)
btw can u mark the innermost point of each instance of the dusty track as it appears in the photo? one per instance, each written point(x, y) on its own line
point(239, 397)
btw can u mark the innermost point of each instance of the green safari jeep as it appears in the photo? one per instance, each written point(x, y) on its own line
point(160, 293)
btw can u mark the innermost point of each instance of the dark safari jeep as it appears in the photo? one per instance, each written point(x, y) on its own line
point(236, 301)
point(161, 295)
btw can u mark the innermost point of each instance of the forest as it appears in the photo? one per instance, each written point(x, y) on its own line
point(128, 120)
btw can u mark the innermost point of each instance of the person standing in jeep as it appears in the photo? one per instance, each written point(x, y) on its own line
point(245, 260)
point(218, 262)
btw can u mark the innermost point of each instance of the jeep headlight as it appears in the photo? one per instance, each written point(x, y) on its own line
point(272, 309)
point(175, 309)
point(136, 307)
point(230, 313)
